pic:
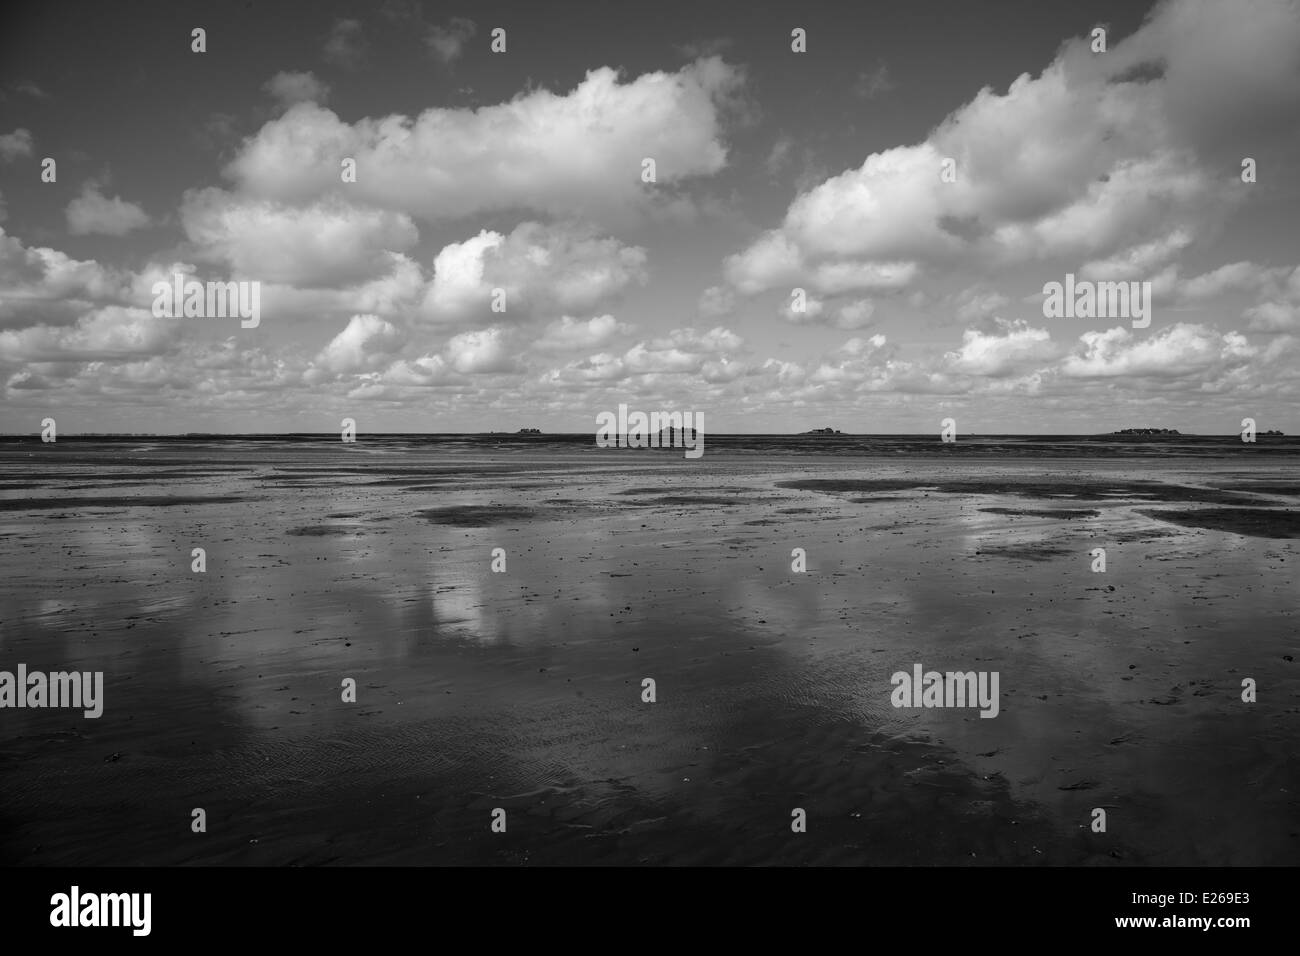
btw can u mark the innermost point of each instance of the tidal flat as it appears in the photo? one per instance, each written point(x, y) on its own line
point(522, 689)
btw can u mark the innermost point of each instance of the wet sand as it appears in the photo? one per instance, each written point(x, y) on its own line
point(522, 690)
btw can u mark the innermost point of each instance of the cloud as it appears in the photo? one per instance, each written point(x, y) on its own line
point(328, 243)
point(92, 213)
point(541, 268)
point(289, 88)
point(847, 315)
point(575, 154)
point(394, 293)
point(39, 284)
point(28, 88)
point(364, 345)
point(109, 334)
point(780, 156)
point(711, 356)
point(1177, 351)
point(345, 46)
point(874, 83)
point(714, 46)
point(716, 301)
point(446, 43)
point(1279, 309)
point(1016, 350)
point(479, 352)
point(978, 303)
point(568, 334)
point(1140, 261)
point(1092, 159)
point(1232, 277)
point(15, 144)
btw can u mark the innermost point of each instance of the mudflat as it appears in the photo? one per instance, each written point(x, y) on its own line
point(522, 689)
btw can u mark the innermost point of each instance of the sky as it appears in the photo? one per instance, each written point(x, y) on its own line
point(853, 235)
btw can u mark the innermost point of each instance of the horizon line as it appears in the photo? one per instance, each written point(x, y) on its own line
point(543, 434)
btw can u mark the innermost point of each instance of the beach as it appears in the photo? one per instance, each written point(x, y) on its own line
point(522, 689)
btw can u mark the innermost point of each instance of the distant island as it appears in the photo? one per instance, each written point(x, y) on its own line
point(529, 431)
point(824, 431)
point(1147, 431)
point(1274, 431)
point(670, 434)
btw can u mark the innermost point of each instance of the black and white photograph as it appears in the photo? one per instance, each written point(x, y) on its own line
point(650, 435)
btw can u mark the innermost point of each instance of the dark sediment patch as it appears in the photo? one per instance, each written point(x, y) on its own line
point(321, 530)
point(1144, 534)
point(90, 476)
point(125, 484)
point(1287, 488)
point(401, 482)
point(394, 471)
point(1027, 552)
point(692, 500)
point(1252, 522)
point(139, 501)
point(1063, 513)
point(834, 485)
point(660, 490)
point(869, 501)
point(477, 516)
point(1084, 490)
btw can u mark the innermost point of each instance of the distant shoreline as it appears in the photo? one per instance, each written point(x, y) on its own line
point(542, 435)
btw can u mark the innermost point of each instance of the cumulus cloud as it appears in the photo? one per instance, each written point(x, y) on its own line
point(290, 87)
point(843, 314)
point(572, 154)
point(479, 352)
point(1173, 352)
point(573, 334)
point(711, 355)
point(363, 345)
point(327, 243)
point(1092, 159)
point(108, 334)
point(43, 285)
point(1016, 350)
point(561, 268)
point(92, 212)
